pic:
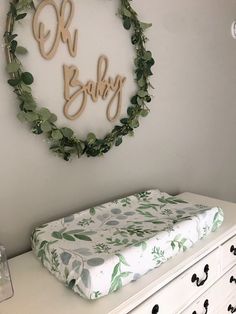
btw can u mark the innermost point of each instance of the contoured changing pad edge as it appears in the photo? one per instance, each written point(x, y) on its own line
point(97, 251)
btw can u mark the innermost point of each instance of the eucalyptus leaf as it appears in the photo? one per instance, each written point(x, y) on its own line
point(10, 37)
point(29, 105)
point(56, 135)
point(144, 112)
point(67, 132)
point(91, 138)
point(127, 23)
point(21, 50)
point(68, 237)
point(122, 259)
point(46, 126)
point(116, 271)
point(139, 74)
point(151, 62)
point(96, 261)
point(12, 67)
point(134, 39)
point(131, 111)
point(13, 46)
point(116, 284)
point(82, 237)
point(13, 82)
point(31, 116)
point(20, 16)
point(65, 257)
point(56, 234)
point(79, 148)
point(92, 211)
point(28, 101)
point(141, 82)
point(144, 26)
point(142, 93)
point(134, 123)
point(25, 88)
point(27, 78)
point(53, 118)
point(126, 12)
point(118, 141)
point(86, 279)
point(124, 120)
point(45, 114)
point(69, 149)
point(147, 55)
point(134, 100)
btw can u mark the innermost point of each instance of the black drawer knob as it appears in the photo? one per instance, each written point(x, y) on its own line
point(232, 279)
point(205, 305)
point(155, 309)
point(233, 249)
point(196, 278)
point(231, 309)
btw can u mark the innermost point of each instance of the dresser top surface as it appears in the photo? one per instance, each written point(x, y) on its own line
point(37, 291)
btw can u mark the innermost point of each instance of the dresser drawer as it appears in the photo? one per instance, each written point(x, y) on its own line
point(211, 301)
point(228, 254)
point(229, 306)
point(183, 289)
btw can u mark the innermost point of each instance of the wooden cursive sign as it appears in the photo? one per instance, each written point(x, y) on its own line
point(101, 88)
point(62, 29)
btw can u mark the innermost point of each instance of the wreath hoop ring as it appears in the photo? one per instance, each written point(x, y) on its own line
point(62, 140)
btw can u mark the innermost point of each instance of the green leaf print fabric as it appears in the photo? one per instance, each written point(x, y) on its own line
point(97, 251)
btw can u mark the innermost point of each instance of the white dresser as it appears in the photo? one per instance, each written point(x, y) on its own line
point(199, 281)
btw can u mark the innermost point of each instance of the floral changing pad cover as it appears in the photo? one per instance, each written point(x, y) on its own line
point(97, 251)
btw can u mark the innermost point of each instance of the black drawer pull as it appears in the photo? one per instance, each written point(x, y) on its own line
point(232, 279)
point(195, 278)
point(231, 309)
point(206, 304)
point(233, 249)
point(155, 309)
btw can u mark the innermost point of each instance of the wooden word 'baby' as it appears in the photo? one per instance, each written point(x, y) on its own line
point(101, 88)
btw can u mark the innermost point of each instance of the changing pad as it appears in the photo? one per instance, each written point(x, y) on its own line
point(97, 251)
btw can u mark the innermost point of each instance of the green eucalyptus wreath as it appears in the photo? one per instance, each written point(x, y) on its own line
point(62, 140)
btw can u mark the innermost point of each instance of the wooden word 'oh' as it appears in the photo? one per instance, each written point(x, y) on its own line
point(101, 88)
point(62, 28)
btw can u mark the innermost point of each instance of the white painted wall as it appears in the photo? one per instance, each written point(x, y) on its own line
point(187, 143)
